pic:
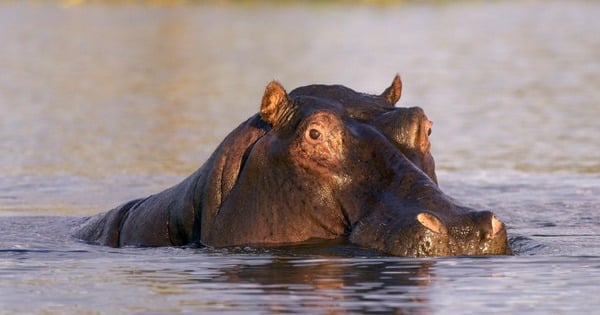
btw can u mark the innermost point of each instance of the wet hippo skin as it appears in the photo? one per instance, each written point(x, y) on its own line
point(320, 163)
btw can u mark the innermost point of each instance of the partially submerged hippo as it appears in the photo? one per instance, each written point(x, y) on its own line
point(324, 162)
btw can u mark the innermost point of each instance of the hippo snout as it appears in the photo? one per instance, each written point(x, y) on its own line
point(479, 233)
point(427, 234)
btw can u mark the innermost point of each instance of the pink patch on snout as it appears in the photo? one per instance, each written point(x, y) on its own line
point(497, 226)
point(431, 222)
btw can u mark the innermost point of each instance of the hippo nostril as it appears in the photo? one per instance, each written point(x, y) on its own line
point(488, 223)
point(431, 222)
point(497, 226)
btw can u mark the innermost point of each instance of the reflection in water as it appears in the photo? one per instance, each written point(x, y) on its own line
point(323, 285)
point(341, 286)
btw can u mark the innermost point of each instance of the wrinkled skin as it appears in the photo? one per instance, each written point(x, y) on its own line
point(324, 162)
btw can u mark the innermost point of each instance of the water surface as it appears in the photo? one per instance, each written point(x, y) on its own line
point(100, 104)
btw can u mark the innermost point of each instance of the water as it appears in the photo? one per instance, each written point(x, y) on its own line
point(104, 103)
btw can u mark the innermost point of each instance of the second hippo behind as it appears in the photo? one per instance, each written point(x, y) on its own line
point(324, 162)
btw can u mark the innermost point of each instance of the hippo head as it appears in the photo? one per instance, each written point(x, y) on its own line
point(407, 128)
point(326, 162)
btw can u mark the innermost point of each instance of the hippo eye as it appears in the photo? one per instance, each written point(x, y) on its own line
point(314, 134)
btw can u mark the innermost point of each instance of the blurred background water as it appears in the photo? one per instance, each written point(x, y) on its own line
point(104, 102)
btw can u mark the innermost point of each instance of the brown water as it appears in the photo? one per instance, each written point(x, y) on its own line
point(100, 104)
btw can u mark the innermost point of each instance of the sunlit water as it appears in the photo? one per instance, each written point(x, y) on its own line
point(100, 104)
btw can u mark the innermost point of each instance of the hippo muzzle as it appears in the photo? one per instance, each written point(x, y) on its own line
point(425, 235)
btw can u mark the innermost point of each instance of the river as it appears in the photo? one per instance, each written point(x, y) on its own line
point(103, 103)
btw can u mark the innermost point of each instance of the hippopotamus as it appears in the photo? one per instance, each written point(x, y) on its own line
point(321, 163)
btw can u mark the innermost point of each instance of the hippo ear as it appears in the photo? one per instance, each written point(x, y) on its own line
point(432, 222)
point(393, 92)
point(274, 103)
